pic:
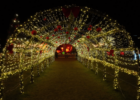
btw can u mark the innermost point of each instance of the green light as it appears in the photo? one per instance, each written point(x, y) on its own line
point(63, 53)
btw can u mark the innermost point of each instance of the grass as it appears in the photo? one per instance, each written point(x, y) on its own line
point(66, 79)
point(127, 83)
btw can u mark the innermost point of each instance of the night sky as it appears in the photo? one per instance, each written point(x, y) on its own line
point(126, 12)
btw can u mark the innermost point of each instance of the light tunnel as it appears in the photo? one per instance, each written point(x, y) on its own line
point(96, 37)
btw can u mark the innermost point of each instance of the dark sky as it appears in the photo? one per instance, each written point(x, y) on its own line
point(126, 12)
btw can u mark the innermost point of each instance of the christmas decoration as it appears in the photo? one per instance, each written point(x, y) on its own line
point(34, 32)
point(88, 48)
point(59, 27)
point(122, 53)
point(103, 43)
point(89, 29)
point(111, 52)
point(44, 19)
point(67, 32)
point(88, 37)
point(55, 29)
point(41, 51)
point(47, 38)
point(98, 29)
point(75, 28)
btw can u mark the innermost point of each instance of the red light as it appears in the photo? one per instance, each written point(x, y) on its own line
point(90, 26)
point(34, 32)
point(122, 53)
point(58, 51)
point(62, 48)
point(98, 29)
point(68, 48)
point(59, 27)
point(67, 32)
point(55, 29)
point(88, 37)
point(111, 52)
point(44, 19)
point(47, 37)
point(75, 28)
point(89, 29)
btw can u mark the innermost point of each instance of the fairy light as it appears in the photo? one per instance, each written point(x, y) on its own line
point(16, 14)
point(84, 56)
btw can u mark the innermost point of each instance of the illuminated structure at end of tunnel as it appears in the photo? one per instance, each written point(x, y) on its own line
point(64, 48)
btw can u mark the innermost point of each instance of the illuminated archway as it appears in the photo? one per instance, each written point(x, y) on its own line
point(94, 34)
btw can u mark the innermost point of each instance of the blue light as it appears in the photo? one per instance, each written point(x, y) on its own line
point(135, 56)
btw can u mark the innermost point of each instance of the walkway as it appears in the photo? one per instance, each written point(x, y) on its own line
point(68, 79)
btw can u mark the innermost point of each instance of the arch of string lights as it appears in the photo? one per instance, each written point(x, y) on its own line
point(96, 36)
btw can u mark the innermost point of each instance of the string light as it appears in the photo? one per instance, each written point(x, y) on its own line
point(16, 14)
point(92, 47)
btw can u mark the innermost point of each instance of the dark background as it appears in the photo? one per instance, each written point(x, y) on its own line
point(126, 12)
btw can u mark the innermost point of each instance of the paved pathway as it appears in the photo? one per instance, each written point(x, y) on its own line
point(68, 79)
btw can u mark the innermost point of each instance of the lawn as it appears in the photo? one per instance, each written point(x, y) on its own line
point(68, 79)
